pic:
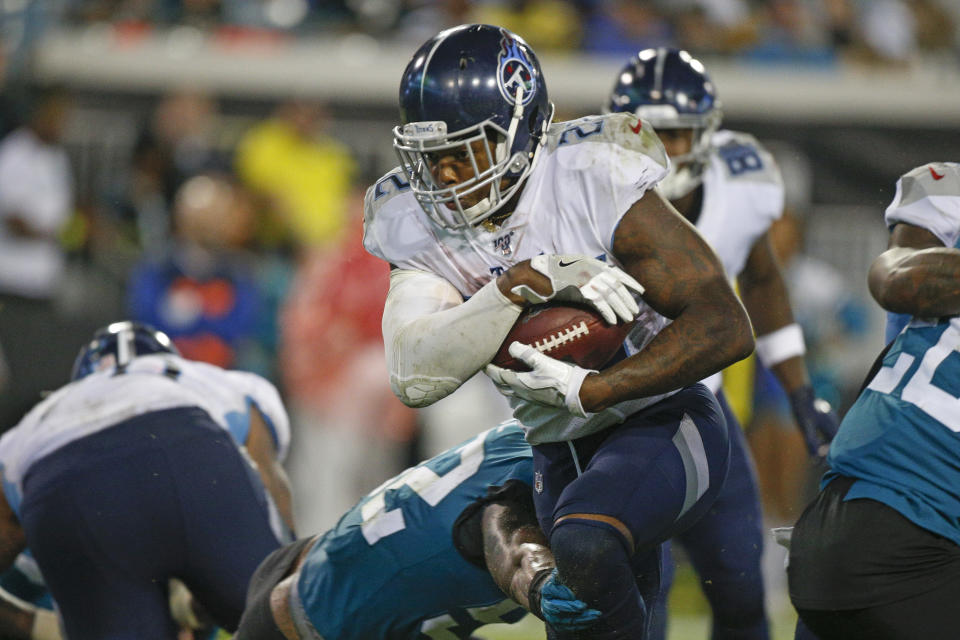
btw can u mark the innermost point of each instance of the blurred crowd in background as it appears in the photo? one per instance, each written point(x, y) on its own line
point(236, 229)
point(820, 32)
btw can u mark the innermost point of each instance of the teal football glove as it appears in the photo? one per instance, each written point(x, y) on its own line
point(562, 610)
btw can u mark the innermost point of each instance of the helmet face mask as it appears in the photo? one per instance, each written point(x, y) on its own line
point(671, 90)
point(480, 147)
point(114, 346)
point(474, 93)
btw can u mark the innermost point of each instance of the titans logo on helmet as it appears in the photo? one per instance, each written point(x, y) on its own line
point(515, 70)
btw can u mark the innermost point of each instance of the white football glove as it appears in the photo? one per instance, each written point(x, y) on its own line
point(551, 382)
point(581, 279)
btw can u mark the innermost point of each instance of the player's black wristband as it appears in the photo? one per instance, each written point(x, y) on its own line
point(533, 593)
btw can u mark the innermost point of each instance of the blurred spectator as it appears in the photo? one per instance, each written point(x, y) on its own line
point(350, 430)
point(791, 31)
point(425, 18)
point(179, 141)
point(623, 27)
point(302, 177)
point(896, 32)
point(36, 202)
point(711, 26)
point(888, 29)
point(544, 24)
point(204, 293)
point(839, 19)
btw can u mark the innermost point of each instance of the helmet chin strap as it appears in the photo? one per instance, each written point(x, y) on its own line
point(477, 210)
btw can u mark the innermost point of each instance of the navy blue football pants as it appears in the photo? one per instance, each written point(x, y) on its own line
point(657, 473)
point(111, 517)
point(725, 548)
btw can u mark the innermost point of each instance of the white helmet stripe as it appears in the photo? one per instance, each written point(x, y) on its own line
point(125, 347)
point(426, 63)
point(658, 70)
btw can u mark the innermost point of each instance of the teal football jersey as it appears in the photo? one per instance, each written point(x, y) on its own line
point(901, 438)
point(389, 569)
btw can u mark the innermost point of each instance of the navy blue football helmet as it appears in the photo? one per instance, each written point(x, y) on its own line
point(472, 83)
point(670, 89)
point(115, 345)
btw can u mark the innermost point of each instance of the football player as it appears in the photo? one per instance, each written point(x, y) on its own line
point(438, 551)
point(131, 474)
point(495, 208)
point(729, 186)
point(877, 554)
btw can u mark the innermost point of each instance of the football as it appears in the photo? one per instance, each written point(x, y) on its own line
point(572, 333)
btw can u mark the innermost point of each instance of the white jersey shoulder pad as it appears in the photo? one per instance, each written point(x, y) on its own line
point(392, 184)
point(743, 159)
point(624, 132)
point(395, 228)
point(929, 197)
point(606, 163)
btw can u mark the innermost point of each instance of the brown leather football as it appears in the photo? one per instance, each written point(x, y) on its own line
point(572, 333)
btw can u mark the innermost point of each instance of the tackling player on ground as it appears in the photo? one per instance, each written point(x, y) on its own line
point(438, 551)
point(729, 186)
point(877, 554)
point(495, 208)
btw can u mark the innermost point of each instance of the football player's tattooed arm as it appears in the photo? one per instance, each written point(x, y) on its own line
point(916, 275)
point(764, 294)
point(684, 281)
point(514, 548)
point(262, 450)
point(434, 340)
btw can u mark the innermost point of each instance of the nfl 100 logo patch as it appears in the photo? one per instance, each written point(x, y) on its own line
point(538, 482)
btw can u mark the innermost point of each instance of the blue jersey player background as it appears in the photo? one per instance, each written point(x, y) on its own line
point(877, 554)
point(436, 552)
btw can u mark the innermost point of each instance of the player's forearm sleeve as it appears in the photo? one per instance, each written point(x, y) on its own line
point(434, 340)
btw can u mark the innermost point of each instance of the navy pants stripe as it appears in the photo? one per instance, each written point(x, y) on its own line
point(725, 547)
point(111, 517)
point(641, 472)
point(657, 473)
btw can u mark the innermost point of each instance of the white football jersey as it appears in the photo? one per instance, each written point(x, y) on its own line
point(590, 172)
point(742, 195)
point(148, 383)
point(929, 197)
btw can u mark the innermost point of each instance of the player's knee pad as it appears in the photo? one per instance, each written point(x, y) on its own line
point(593, 560)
